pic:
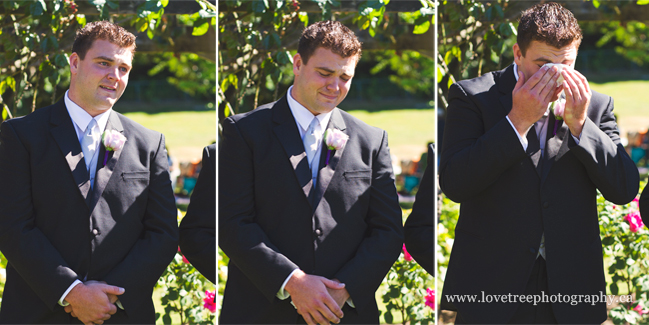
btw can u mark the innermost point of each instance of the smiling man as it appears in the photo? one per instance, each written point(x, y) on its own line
point(308, 209)
point(88, 219)
point(525, 163)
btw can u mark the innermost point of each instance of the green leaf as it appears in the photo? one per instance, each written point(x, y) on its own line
point(614, 289)
point(640, 2)
point(37, 8)
point(81, 19)
point(422, 28)
point(11, 82)
point(166, 319)
point(388, 317)
point(5, 115)
point(164, 3)
point(596, 3)
point(201, 29)
point(259, 7)
point(62, 60)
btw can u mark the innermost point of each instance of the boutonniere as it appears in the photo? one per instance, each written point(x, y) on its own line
point(335, 140)
point(558, 108)
point(113, 141)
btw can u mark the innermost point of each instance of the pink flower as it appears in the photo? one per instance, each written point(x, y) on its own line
point(430, 298)
point(559, 109)
point(635, 221)
point(113, 140)
point(209, 302)
point(406, 255)
point(335, 139)
point(184, 258)
point(640, 310)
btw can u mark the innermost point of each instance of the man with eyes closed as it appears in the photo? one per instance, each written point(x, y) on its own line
point(88, 219)
point(308, 209)
point(525, 163)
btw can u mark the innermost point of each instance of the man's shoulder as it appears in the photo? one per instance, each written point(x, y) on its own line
point(482, 83)
point(34, 119)
point(259, 116)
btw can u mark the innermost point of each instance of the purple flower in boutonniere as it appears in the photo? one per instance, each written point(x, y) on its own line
point(335, 140)
point(113, 141)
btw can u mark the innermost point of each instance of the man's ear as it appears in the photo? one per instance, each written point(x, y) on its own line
point(297, 64)
point(518, 54)
point(74, 63)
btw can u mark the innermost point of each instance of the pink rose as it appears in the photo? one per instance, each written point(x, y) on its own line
point(640, 310)
point(335, 139)
point(559, 109)
point(430, 298)
point(209, 302)
point(184, 258)
point(113, 140)
point(406, 255)
point(635, 221)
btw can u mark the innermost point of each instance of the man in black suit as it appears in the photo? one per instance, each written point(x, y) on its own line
point(198, 228)
point(527, 182)
point(305, 213)
point(87, 231)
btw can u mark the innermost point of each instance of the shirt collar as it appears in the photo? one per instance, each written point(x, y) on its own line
point(303, 116)
point(81, 118)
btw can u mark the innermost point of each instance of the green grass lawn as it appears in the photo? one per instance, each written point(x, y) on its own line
point(409, 130)
point(186, 132)
point(629, 96)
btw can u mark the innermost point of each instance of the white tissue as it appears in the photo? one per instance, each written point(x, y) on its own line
point(560, 66)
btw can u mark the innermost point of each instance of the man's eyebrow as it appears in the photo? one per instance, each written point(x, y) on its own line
point(105, 58)
point(542, 59)
point(325, 69)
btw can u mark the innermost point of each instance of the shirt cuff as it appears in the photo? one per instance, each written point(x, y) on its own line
point(282, 294)
point(62, 301)
point(576, 138)
point(522, 139)
point(350, 302)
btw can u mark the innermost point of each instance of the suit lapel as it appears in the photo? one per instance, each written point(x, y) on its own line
point(286, 131)
point(104, 172)
point(326, 171)
point(63, 132)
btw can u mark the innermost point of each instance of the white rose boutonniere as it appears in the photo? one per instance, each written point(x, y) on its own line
point(113, 141)
point(335, 140)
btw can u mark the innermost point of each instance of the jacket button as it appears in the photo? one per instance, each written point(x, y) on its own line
point(95, 232)
point(546, 205)
point(318, 232)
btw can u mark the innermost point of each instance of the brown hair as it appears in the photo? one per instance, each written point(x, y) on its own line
point(331, 35)
point(549, 23)
point(103, 30)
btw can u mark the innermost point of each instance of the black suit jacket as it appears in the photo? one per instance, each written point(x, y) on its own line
point(55, 229)
point(198, 228)
point(272, 221)
point(507, 203)
point(420, 226)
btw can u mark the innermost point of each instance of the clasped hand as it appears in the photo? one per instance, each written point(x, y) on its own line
point(93, 302)
point(319, 300)
point(530, 98)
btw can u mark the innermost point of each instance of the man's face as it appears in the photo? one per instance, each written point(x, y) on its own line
point(324, 82)
point(539, 53)
point(99, 80)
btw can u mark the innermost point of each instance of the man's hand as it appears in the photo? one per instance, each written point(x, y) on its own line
point(531, 97)
point(310, 297)
point(340, 295)
point(90, 302)
point(577, 100)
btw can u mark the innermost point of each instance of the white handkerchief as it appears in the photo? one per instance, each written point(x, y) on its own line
point(560, 66)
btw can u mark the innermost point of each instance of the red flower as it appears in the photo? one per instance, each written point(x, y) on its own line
point(635, 221)
point(406, 255)
point(184, 258)
point(640, 310)
point(209, 302)
point(430, 298)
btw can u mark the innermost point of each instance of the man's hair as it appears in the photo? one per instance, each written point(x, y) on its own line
point(102, 30)
point(548, 23)
point(331, 35)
